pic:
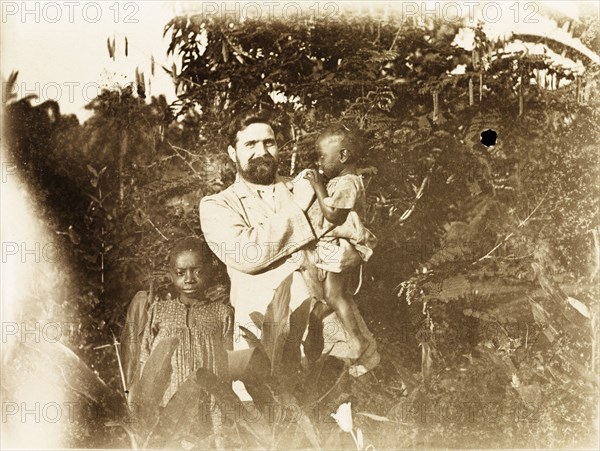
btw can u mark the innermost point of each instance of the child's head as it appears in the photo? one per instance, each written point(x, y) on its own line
point(337, 147)
point(190, 268)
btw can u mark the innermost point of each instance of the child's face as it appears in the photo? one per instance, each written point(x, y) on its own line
point(190, 275)
point(330, 159)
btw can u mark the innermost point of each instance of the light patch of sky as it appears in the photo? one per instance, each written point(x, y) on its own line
point(280, 97)
point(530, 24)
point(68, 60)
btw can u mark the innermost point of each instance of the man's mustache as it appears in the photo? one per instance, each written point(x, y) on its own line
point(263, 159)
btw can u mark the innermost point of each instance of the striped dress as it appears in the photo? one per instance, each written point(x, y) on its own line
point(205, 333)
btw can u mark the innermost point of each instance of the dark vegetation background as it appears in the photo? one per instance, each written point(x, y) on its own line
point(483, 290)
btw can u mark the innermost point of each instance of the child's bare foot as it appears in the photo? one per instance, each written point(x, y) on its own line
point(369, 360)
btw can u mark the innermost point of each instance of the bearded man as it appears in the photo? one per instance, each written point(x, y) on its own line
point(259, 227)
point(258, 224)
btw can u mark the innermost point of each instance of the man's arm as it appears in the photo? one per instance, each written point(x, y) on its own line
point(253, 248)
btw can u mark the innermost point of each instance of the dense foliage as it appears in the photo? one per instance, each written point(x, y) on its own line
point(488, 255)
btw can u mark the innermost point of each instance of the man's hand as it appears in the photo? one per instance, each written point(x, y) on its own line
point(303, 191)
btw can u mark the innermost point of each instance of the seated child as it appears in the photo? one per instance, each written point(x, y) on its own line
point(342, 204)
point(204, 326)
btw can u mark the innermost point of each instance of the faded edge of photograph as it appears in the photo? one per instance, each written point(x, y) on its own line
point(300, 225)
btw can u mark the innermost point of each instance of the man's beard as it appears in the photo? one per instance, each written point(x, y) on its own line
point(260, 170)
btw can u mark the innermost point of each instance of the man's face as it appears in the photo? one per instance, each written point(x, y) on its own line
point(255, 154)
point(190, 275)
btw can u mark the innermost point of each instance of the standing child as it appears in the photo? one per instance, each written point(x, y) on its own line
point(342, 204)
point(204, 326)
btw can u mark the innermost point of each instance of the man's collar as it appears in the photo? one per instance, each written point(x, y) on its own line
point(262, 188)
point(243, 188)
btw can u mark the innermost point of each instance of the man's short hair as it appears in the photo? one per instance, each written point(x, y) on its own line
point(190, 244)
point(350, 139)
point(246, 118)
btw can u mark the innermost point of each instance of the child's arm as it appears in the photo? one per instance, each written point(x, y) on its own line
point(334, 215)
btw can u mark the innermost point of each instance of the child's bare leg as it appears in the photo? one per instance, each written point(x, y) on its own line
point(340, 300)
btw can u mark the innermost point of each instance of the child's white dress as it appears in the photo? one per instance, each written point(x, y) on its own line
point(346, 192)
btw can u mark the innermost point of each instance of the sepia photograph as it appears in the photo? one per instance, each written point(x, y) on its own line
point(300, 225)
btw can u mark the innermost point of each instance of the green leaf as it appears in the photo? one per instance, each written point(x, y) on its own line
point(187, 409)
point(225, 51)
point(275, 324)
point(131, 335)
point(92, 170)
point(250, 337)
point(291, 354)
point(146, 394)
point(258, 319)
point(286, 400)
point(247, 361)
point(372, 416)
point(249, 421)
point(54, 363)
point(359, 438)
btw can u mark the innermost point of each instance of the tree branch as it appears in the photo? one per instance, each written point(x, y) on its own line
point(175, 149)
point(507, 237)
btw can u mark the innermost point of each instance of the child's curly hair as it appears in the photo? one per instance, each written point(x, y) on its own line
point(192, 244)
point(350, 139)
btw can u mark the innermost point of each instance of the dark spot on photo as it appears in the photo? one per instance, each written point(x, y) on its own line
point(489, 137)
